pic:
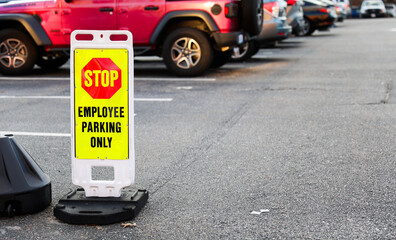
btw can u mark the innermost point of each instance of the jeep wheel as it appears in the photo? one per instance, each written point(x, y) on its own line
point(187, 52)
point(18, 53)
point(252, 16)
point(244, 51)
point(52, 62)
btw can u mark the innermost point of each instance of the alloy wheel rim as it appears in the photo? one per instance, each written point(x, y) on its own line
point(186, 53)
point(306, 26)
point(13, 53)
point(240, 51)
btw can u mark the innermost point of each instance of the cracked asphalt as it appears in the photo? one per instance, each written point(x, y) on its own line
point(296, 143)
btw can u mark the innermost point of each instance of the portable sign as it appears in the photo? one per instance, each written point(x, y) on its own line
point(102, 110)
point(101, 104)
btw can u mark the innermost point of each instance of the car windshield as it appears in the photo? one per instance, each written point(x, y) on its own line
point(372, 3)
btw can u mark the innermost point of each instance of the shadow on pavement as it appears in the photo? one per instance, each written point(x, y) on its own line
point(323, 34)
point(264, 59)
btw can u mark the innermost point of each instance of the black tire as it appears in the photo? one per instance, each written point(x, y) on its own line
point(220, 58)
point(272, 44)
point(243, 52)
point(256, 48)
point(18, 53)
point(52, 62)
point(252, 16)
point(308, 27)
point(187, 52)
point(299, 30)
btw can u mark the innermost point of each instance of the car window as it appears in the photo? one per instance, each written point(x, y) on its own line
point(372, 3)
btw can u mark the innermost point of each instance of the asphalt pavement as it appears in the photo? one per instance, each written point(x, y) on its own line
point(296, 143)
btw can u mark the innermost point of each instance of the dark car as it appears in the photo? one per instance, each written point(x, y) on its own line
point(318, 15)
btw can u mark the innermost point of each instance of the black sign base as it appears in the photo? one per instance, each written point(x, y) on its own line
point(24, 187)
point(76, 208)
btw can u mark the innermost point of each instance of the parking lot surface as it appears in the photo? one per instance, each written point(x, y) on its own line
point(298, 142)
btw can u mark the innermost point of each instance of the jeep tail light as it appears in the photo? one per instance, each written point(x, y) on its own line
point(291, 2)
point(231, 10)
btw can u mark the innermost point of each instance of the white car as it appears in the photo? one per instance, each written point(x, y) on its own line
point(372, 8)
point(390, 10)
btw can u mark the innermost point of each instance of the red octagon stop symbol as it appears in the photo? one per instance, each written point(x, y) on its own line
point(101, 78)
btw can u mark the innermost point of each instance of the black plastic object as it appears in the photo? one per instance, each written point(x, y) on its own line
point(24, 187)
point(76, 208)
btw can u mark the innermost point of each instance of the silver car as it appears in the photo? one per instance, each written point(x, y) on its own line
point(390, 10)
point(295, 16)
point(275, 28)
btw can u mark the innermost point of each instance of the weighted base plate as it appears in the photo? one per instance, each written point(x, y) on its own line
point(32, 201)
point(76, 208)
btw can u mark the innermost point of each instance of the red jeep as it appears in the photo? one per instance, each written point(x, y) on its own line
point(190, 35)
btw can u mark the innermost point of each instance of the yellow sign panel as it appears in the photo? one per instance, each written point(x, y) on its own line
point(101, 112)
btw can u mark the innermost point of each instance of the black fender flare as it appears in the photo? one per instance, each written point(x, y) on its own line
point(32, 26)
point(183, 14)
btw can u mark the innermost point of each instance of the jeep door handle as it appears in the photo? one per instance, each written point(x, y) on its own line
point(106, 9)
point(151, 8)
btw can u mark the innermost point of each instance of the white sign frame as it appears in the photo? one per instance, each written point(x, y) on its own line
point(124, 170)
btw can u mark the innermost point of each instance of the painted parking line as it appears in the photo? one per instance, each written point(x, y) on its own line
point(153, 99)
point(158, 79)
point(68, 97)
point(177, 79)
point(34, 79)
point(34, 97)
point(39, 134)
